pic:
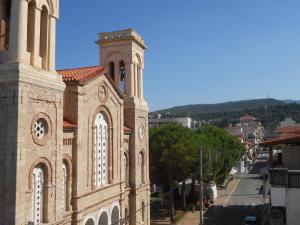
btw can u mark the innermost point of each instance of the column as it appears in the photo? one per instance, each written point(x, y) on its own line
point(142, 83)
point(129, 79)
point(36, 49)
point(44, 39)
point(135, 80)
point(52, 42)
point(18, 27)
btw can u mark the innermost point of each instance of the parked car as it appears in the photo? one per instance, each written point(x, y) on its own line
point(250, 220)
point(263, 172)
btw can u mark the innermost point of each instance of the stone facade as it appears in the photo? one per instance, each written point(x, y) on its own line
point(73, 143)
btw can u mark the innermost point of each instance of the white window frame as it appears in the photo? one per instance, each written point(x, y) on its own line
point(37, 196)
point(101, 150)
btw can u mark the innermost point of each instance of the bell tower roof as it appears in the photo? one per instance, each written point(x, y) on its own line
point(121, 35)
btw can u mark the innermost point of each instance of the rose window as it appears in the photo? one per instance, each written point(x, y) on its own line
point(40, 128)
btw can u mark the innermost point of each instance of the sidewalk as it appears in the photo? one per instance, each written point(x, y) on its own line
point(193, 218)
point(224, 194)
point(190, 218)
point(222, 199)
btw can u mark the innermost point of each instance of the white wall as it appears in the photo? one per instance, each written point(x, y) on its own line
point(184, 121)
point(293, 206)
point(278, 196)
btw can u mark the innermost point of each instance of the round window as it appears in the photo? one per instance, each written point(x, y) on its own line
point(41, 128)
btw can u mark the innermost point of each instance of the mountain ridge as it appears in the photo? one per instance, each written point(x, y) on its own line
point(228, 106)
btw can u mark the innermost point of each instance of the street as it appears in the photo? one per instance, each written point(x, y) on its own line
point(244, 201)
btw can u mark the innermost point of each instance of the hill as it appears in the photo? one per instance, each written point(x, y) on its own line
point(220, 107)
point(269, 111)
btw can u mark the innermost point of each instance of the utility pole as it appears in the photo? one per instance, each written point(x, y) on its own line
point(201, 189)
point(245, 144)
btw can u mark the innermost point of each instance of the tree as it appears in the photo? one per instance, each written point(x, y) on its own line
point(220, 152)
point(174, 156)
point(169, 157)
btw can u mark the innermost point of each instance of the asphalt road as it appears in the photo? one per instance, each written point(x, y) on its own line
point(245, 200)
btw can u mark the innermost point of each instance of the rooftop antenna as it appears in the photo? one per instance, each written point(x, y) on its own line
point(268, 96)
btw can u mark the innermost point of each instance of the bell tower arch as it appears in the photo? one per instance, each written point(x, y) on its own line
point(28, 30)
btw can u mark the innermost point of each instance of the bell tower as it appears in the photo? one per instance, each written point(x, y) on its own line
point(31, 115)
point(122, 54)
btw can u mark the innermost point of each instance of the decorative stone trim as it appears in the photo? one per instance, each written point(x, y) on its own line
point(45, 163)
point(103, 93)
point(141, 132)
point(41, 128)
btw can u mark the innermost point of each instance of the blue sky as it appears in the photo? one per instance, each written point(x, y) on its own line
point(199, 51)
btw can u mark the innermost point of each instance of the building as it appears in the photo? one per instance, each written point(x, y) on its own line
point(183, 121)
point(236, 131)
point(287, 122)
point(287, 127)
point(249, 129)
point(74, 142)
point(284, 178)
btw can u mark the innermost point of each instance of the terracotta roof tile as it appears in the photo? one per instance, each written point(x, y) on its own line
point(247, 117)
point(81, 74)
point(288, 129)
point(68, 124)
point(127, 130)
point(291, 139)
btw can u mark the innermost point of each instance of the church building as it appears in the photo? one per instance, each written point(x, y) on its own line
point(73, 142)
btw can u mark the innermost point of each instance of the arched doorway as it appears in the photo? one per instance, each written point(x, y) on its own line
point(103, 220)
point(115, 220)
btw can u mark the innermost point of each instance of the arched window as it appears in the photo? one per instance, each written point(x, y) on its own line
point(138, 74)
point(44, 36)
point(64, 188)
point(90, 221)
point(112, 70)
point(122, 73)
point(5, 11)
point(142, 167)
point(126, 165)
point(31, 28)
point(101, 150)
point(38, 194)
point(143, 211)
point(103, 220)
point(115, 218)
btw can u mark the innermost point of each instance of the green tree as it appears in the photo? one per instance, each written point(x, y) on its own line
point(169, 157)
point(174, 156)
point(220, 152)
